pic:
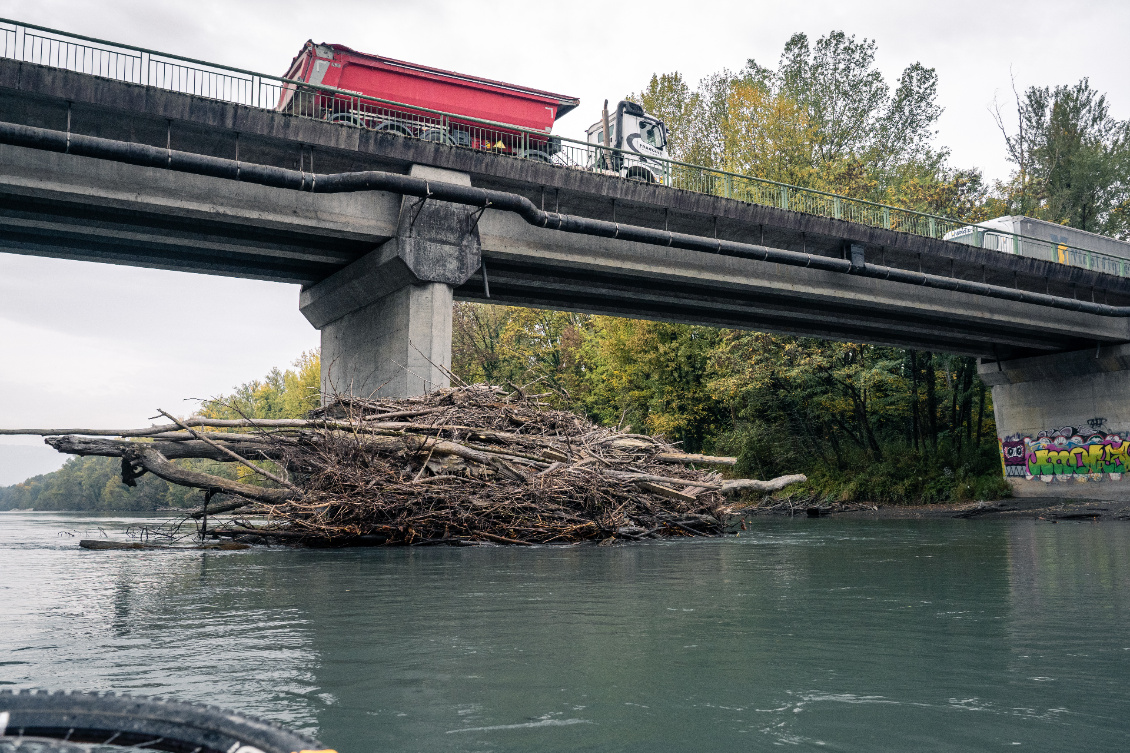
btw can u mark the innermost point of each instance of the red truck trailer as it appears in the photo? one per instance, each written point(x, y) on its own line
point(415, 98)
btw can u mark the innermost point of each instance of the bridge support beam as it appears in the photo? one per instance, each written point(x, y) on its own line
point(1063, 421)
point(386, 318)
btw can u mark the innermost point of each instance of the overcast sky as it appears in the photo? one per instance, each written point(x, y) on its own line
point(96, 345)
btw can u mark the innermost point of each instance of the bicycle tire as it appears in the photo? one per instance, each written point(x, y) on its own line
point(123, 721)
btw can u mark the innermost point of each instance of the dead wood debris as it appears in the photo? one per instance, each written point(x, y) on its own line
point(461, 465)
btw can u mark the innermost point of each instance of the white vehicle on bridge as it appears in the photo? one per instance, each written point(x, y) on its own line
point(1026, 236)
point(636, 142)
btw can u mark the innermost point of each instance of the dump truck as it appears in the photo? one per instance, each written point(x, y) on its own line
point(630, 143)
point(1039, 239)
point(423, 102)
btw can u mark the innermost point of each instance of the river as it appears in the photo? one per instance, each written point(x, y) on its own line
point(823, 634)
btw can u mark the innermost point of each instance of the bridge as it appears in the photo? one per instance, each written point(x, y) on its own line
point(383, 231)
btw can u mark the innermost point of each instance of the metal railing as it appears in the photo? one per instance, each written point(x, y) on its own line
point(137, 65)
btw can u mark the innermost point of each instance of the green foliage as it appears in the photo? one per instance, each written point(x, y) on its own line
point(1072, 158)
point(653, 376)
point(862, 421)
point(282, 394)
point(95, 483)
point(909, 477)
point(517, 346)
point(824, 119)
point(649, 375)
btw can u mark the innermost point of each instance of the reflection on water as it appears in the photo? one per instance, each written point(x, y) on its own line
point(849, 635)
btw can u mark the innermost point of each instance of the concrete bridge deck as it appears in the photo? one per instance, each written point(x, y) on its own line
point(72, 207)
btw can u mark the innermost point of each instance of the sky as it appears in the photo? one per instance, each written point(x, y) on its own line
point(92, 345)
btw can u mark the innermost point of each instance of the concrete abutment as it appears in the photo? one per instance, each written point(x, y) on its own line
point(385, 319)
point(1063, 422)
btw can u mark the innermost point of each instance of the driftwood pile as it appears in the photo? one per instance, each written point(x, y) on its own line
point(463, 465)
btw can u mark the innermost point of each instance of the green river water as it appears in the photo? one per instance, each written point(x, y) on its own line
point(825, 634)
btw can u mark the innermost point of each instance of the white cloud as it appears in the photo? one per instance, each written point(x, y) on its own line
point(97, 345)
point(43, 361)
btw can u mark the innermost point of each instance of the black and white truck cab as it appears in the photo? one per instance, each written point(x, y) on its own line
point(636, 141)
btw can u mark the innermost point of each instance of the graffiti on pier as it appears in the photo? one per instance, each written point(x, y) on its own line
point(1067, 454)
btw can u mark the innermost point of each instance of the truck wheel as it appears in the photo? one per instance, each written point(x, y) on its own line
point(537, 155)
point(33, 722)
point(460, 137)
point(437, 135)
point(390, 127)
point(347, 118)
point(641, 174)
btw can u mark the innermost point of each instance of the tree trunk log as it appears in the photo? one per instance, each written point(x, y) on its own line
point(773, 485)
point(688, 458)
point(148, 456)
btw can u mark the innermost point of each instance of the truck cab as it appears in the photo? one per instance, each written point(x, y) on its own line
point(638, 141)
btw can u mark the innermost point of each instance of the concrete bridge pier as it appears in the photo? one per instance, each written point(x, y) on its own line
point(386, 318)
point(1064, 422)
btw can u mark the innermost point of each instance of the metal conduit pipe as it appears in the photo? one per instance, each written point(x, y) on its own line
point(373, 180)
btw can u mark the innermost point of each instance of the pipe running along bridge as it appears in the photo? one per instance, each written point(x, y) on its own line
point(121, 155)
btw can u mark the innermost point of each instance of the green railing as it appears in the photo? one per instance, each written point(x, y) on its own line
point(137, 65)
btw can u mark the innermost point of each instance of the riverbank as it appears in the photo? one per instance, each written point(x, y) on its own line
point(1049, 509)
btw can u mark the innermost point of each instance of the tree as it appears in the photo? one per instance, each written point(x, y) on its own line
point(476, 342)
point(1072, 158)
point(770, 136)
point(959, 194)
point(510, 344)
point(825, 118)
point(653, 376)
point(282, 394)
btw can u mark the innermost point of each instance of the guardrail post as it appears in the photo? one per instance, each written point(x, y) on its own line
point(887, 218)
point(933, 227)
point(728, 183)
point(837, 210)
point(784, 197)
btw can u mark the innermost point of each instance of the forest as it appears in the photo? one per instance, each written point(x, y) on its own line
point(863, 422)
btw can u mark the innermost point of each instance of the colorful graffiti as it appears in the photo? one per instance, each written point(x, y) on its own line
point(1067, 454)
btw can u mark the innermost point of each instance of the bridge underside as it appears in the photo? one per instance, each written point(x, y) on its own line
point(79, 208)
point(760, 303)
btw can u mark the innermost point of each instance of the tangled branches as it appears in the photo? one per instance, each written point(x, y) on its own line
point(458, 466)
